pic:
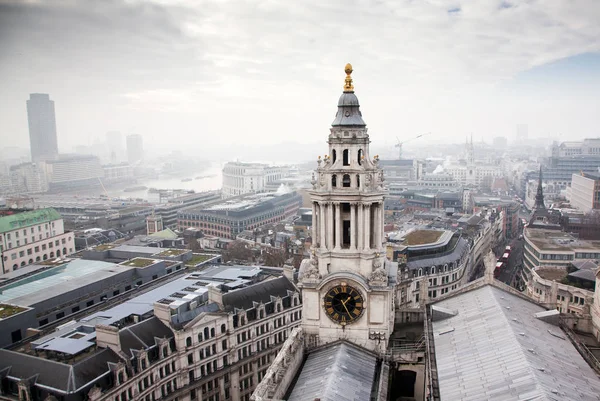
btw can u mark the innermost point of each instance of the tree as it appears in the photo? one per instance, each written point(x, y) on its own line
point(194, 245)
point(274, 257)
point(237, 250)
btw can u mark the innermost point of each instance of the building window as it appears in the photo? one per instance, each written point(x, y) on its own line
point(346, 181)
point(345, 158)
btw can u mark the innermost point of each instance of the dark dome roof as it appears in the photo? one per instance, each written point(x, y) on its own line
point(348, 114)
point(348, 99)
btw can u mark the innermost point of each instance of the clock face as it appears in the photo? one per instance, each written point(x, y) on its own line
point(343, 304)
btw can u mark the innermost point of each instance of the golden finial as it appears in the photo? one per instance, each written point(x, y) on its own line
point(348, 87)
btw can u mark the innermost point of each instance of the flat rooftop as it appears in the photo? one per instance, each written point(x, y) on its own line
point(9, 310)
point(140, 262)
point(57, 280)
point(554, 240)
point(172, 252)
point(421, 237)
point(551, 274)
point(240, 203)
point(80, 335)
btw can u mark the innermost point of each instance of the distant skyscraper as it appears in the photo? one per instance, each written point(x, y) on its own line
point(42, 127)
point(135, 148)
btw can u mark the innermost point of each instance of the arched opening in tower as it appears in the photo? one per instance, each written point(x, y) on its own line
point(334, 180)
point(346, 158)
point(333, 156)
point(403, 384)
point(346, 181)
point(360, 156)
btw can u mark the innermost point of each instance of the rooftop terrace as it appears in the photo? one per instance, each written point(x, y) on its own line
point(421, 237)
point(172, 252)
point(139, 262)
point(9, 310)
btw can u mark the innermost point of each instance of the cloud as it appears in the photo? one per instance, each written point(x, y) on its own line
point(275, 64)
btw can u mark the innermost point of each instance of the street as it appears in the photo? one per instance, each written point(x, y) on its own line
point(515, 259)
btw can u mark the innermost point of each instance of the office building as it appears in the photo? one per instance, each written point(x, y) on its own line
point(33, 237)
point(42, 127)
point(232, 216)
point(246, 178)
point(585, 191)
point(209, 335)
point(74, 171)
point(135, 149)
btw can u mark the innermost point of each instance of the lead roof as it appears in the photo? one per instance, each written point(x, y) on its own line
point(494, 348)
point(340, 372)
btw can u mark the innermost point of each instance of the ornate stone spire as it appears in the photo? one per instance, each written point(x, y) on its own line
point(539, 197)
point(348, 87)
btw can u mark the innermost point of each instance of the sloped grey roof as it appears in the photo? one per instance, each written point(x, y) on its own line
point(495, 349)
point(341, 372)
point(244, 298)
point(585, 264)
point(142, 334)
point(584, 274)
point(57, 375)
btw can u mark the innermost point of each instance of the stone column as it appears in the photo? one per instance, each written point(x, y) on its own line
point(338, 226)
point(321, 223)
point(378, 225)
point(314, 224)
point(330, 226)
point(367, 213)
point(353, 230)
point(360, 226)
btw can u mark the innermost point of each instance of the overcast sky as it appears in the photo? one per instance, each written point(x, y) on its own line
point(197, 75)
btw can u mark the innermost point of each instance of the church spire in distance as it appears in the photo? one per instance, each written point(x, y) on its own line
point(539, 197)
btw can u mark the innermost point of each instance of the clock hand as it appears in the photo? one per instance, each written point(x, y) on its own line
point(345, 307)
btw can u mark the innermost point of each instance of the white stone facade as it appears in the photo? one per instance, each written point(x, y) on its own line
point(584, 193)
point(244, 178)
point(347, 209)
point(552, 294)
point(35, 243)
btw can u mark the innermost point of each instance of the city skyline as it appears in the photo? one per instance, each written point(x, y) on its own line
point(192, 77)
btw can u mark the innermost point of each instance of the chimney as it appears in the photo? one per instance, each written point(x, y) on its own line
point(108, 337)
point(288, 272)
point(215, 295)
point(163, 313)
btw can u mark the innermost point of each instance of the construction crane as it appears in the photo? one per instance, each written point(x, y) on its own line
point(400, 143)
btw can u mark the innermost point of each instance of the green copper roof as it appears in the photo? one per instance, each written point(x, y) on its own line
point(26, 219)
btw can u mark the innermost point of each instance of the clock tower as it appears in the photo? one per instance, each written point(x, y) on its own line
point(345, 286)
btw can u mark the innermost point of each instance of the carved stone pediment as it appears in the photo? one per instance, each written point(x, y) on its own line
point(378, 278)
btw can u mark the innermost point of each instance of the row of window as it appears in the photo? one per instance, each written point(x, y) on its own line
point(8, 235)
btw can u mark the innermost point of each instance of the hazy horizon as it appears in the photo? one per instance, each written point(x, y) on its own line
point(205, 77)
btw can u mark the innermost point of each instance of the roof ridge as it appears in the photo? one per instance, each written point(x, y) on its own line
point(515, 340)
point(336, 368)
